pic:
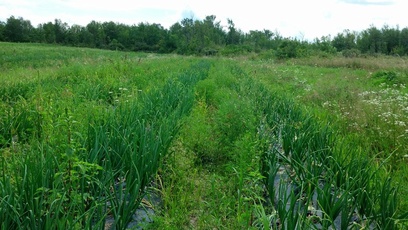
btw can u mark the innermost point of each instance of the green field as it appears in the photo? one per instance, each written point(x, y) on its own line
point(226, 143)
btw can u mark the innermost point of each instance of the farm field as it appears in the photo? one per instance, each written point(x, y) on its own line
point(87, 135)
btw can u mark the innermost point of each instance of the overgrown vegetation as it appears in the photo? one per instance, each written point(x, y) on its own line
point(227, 143)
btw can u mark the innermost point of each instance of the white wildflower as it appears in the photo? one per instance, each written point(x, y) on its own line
point(326, 104)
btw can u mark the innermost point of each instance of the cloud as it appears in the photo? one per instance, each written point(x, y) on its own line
point(369, 2)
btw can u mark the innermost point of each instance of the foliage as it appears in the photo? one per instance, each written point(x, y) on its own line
point(345, 40)
point(202, 37)
point(350, 53)
point(291, 49)
point(387, 76)
point(17, 30)
point(235, 50)
point(324, 44)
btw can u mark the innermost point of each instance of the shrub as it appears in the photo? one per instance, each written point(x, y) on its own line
point(231, 50)
point(351, 53)
point(389, 77)
point(291, 49)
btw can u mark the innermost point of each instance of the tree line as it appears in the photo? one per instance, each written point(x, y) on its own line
point(203, 37)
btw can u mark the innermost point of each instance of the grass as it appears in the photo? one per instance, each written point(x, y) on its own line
point(340, 95)
point(371, 63)
point(228, 144)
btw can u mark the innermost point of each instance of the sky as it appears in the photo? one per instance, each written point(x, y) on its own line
point(302, 19)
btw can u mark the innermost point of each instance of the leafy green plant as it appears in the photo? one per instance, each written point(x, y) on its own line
point(351, 53)
point(388, 77)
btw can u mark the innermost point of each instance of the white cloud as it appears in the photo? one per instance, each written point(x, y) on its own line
point(369, 2)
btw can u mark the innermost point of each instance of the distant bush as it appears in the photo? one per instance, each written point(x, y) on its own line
point(350, 53)
point(291, 49)
point(267, 55)
point(210, 51)
point(115, 45)
point(231, 50)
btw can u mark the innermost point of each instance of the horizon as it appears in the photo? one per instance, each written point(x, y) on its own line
point(306, 21)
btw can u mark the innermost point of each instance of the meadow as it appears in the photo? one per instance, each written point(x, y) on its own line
point(226, 143)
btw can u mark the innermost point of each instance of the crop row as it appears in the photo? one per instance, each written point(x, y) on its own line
point(74, 180)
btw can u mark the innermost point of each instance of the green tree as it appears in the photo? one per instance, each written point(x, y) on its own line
point(96, 36)
point(260, 39)
point(115, 45)
point(86, 38)
point(37, 34)
point(111, 31)
point(390, 39)
point(175, 37)
point(345, 40)
point(325, 44)
point(404, 41)
point(197, 37)
point(189, 44)
point(149, 37)
point(289, 48)
point(2, 26)
point(182, 35)
point(17, 30)
point(48, 32)
point(73, 35)
point(370, 41)
point(123, 35)
point(155, 36)
point(214, 33)
point(233, 35)
point(167, 44)
point(60, 30)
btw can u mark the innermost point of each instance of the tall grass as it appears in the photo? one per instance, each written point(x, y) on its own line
point(365, 106)
point(334, 187)
point(380, 62)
